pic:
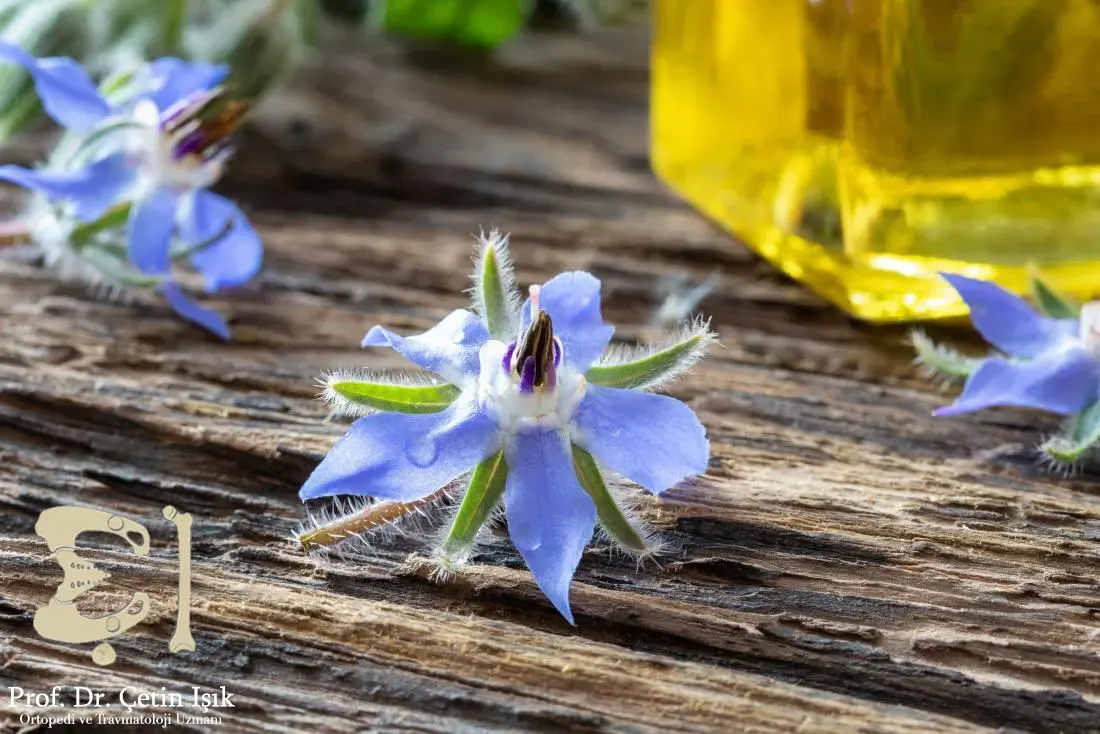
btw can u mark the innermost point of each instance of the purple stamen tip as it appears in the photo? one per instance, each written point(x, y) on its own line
point(507, 362)
point(191, 144)
point(527, 376)
point(557, 352)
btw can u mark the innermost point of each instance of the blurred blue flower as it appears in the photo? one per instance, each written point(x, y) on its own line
point(518, 401)
point(1052, 364)
point(148, 147)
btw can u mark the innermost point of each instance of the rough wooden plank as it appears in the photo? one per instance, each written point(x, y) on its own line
point(848, 563)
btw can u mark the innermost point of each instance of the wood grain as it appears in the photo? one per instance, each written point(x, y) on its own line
point(847, 564)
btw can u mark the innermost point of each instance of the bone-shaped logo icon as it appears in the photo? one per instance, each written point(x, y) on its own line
point(61, 621)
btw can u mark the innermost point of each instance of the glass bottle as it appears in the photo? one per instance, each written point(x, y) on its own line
point(863, 146)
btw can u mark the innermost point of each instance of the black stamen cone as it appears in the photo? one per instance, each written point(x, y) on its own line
point(538, 343)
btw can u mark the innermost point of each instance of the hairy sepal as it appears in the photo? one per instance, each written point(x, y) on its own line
point(612, 519)
point(1066, 451)
point(365, 392)
point(482, 497)
point(1050, 301)
point(650, 367)
point(940, 361)
point(496, 298)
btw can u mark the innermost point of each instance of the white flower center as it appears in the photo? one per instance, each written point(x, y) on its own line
point(158, 159)
point(518, 411)
point(1090, 327)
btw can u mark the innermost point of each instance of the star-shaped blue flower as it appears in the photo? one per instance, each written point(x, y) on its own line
point(155, 145)
point(526, 399)
point(1050, 364)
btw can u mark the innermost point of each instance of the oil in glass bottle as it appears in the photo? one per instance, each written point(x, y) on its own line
point(864, 146)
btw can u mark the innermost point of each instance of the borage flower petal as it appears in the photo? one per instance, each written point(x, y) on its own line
point(68, 94)
point(236, 253)
point(550, 516)
point(1007, 322)
point(151, 227)
point(169, 80)
point(1059, 383)
point(659, 445)
point(450, 348)
point(573, 302)
point(207, 318)
point(402, 456)
point(91, 190)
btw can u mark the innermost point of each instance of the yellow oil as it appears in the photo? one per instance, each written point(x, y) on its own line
point(863, 146)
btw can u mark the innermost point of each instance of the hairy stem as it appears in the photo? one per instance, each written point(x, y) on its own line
point(363, 520)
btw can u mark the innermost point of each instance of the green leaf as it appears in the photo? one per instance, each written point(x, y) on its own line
point(654, 367)
point(1051, 302)
point(307, 14)
point(494, 286)
point(611, 517)
point(1083, 435)
point(482, 496)
point(941, 360)
point(173, 25)
point(397, 398)
point(478, 23)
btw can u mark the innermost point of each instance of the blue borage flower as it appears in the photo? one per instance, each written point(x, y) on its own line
point(1048, 361)
point(140, 155)
point(528, 398)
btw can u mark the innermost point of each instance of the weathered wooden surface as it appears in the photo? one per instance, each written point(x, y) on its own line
point(848, 563)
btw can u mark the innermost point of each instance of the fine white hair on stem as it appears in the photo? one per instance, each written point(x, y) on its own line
point(341, 406)
point(695, 335)
point(497, 243)
point(349, 527)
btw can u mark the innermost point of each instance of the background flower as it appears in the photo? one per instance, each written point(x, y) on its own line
point(140, 155)
point(1048, 361)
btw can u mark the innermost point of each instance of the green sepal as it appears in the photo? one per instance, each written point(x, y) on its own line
point(118, 269)
point(114, 218)
point(1051, 302)
point(396, 398)
point(481, 498)
point(494, 298)
point(650, 368)
point(612, 519)
point(188, 250)
point(943, 360)
point(1083, 435)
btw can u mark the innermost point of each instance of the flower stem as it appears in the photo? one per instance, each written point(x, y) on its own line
point(366, 518)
